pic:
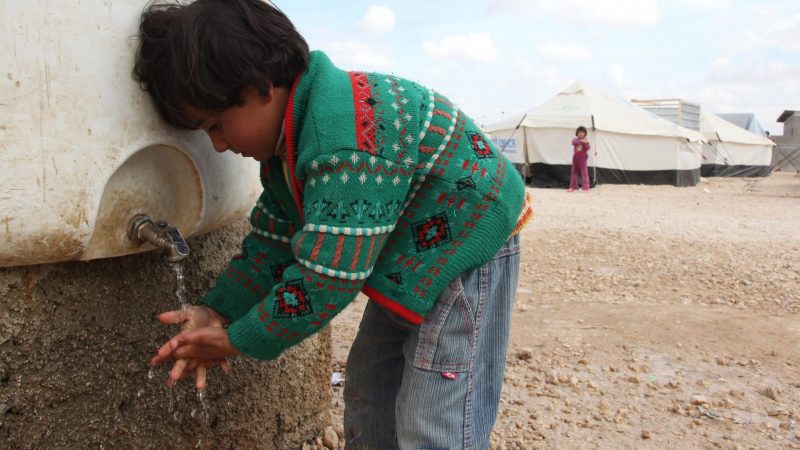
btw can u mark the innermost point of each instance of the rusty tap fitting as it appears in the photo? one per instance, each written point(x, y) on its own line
point(160, 235)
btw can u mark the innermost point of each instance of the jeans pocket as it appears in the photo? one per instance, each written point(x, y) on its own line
point(446, 336)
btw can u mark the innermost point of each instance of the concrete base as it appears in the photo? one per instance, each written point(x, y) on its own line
point(75, 339)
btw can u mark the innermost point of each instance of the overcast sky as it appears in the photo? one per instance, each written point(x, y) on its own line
point(496, 58)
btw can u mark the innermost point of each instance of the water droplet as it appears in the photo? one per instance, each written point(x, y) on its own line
point(180, 287)
point(151, 373)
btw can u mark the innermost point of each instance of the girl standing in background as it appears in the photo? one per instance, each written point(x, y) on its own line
point(580, 157)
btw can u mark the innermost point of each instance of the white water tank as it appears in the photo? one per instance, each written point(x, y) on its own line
point(82, 149)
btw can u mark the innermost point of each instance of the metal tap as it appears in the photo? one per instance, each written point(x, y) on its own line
point(160, 235)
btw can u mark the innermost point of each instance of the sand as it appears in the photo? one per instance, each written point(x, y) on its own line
point(651, 317)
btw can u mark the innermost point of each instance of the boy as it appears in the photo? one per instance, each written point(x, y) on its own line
point(372, 184)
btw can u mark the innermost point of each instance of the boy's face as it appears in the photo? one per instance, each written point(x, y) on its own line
point(250, 130)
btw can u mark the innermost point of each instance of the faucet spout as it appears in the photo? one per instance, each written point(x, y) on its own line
point(160, 235)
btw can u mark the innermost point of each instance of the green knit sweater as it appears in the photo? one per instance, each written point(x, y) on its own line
point(391, 190)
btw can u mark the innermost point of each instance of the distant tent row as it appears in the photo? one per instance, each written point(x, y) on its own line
point(733, 151)
point(629, 145)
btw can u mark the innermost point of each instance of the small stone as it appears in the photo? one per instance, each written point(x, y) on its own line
point(675, 408)
point(699, 400)
point(777, 411)
point(646, 434)
point(330, 439)
point(736, 393)
point(525, 354)
point(771, 392)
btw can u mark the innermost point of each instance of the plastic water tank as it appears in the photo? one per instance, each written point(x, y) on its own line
point(82, 150)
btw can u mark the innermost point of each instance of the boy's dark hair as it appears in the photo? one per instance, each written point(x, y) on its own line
point(581, 128)
point(203, 54)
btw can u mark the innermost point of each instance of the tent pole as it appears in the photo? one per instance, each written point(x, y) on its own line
point(523, 144)
point(594, 168)
point(528, 170)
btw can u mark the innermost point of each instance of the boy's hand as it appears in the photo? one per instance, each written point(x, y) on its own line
point(206, 344)
point(192, 318)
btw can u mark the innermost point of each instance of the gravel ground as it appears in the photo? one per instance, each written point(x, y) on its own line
point(649, 317)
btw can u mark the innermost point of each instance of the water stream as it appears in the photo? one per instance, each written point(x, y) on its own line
point(201, 410)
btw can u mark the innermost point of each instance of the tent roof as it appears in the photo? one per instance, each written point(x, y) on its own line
point(747, 121)
point(715, 128)
point(583, 104)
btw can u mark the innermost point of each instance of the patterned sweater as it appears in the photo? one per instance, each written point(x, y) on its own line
point(391, 190)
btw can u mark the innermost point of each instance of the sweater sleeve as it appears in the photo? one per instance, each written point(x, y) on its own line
point(264, 256)
point(351, 203)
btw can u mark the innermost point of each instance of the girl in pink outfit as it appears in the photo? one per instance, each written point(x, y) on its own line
point(579, 158)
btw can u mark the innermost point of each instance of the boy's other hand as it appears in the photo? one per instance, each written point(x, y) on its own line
point(192, 318)
point(205, 344)
point(196, 351)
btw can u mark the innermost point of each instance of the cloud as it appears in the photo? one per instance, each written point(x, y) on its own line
point(507, 5)
point(603, 12)
point(765, 87)
point(547, 80)
point(358, 55)
point(753, 71)
point(616, 73)
point(377, 20)
point(564, 52)
point(768, 29)
point(708, 4)
point(472, 47)
point(589, 12)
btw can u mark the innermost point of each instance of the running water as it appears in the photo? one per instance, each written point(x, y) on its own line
point(178, 396)
point(180, 289)
point(180, 292)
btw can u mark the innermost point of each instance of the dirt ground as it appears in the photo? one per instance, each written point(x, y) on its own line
point(651, 317)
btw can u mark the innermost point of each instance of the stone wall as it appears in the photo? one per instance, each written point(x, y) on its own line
point(75, 339)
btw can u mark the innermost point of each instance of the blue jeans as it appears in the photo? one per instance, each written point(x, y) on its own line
point(435, 385)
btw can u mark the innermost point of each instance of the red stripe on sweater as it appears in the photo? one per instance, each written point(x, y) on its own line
point(317, 247)
point(337, 255)
point(392, 305)
point(299, 243)
point(438, 130)
point(364, 111)
point(291, 149)
point(356, 253)
point(371, 249)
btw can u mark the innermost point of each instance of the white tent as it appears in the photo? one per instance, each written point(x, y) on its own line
point(748, 121)
point(629, 144)
point(733, 151)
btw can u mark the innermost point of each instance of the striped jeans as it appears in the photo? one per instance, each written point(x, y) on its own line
point(436, 385)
